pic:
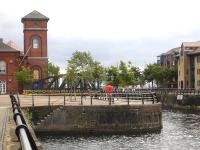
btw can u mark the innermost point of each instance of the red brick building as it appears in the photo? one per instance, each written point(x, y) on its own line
point(34, 55)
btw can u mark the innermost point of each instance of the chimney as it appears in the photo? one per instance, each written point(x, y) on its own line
point(1, 40)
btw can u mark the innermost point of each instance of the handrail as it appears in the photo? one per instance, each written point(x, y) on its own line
point(26, 140)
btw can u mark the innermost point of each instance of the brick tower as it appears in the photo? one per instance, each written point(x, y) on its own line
point(35, 42)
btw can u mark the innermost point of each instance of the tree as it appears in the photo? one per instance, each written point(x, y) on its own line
point(83, 66)
point(171, 76)
point(52, 70)
point(72, 75)
point(113, 77)
point(24, 76)
point(154, 72)
point(124, 75)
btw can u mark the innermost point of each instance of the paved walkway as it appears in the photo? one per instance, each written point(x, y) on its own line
point(3, 121)
point(4, 107)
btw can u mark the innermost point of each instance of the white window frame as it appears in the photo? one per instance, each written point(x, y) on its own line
point(36, 42)
point(2, 67)
point(2, 87)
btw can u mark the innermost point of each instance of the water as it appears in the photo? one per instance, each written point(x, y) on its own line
point(180, 132)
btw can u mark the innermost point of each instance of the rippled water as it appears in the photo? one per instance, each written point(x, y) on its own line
point(180, 132)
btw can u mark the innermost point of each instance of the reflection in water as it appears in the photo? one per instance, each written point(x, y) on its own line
point(180, 132)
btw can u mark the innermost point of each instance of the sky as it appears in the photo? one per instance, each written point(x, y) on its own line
point(112, 30)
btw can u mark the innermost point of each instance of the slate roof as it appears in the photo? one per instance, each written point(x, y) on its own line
point(5, 48)
point(36, 16)
point(171, 51)
point(191, 44)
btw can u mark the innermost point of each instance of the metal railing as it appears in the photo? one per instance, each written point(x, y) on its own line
point(175, 91)
point(186, 91)
point(98, 98)
point(26, 140)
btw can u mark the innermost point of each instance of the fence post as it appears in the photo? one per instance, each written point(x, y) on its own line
point(48, 100)
point(142, 99)
point(153, 98)
point(32, 100)
point(91, 100)
point(109, 98)
point(64, 99)
point(81, 98)
point(128, 99)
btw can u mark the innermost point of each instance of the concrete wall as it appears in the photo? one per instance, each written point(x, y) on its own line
point(189, 103)
point(102, 119)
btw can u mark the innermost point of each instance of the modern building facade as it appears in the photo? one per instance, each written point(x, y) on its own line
point(189, 65)
point(35, 54)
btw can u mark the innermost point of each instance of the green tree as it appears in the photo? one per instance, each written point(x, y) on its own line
point(52, 70)
point(72, 75)
point(124, 75)
point(154, 72)
point(171, 75)
point(113, 77)
point(83, 66)
point(24, 76)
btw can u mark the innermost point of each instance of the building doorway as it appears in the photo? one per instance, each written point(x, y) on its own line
point(2, 87)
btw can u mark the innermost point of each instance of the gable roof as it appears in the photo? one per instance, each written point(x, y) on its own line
point(172, 51)
point(5, 48)
point(191, 44)
point(36, 16)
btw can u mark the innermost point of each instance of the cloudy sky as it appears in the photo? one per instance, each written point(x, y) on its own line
point(112, 30)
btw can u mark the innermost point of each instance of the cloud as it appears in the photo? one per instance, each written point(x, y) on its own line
point(111, 30)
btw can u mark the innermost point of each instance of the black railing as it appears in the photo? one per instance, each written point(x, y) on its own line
point(98, 98)
point(187, 91)
point(26, 140)
point(175, 91)
point(129, 96)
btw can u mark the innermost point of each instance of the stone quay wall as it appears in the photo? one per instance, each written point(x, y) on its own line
point(188, 103)
point(99, 119)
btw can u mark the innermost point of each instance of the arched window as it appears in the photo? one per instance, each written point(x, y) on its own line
point(36, 74)
point(36, 42)
point(2, 67)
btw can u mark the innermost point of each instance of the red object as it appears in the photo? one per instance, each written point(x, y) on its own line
point(109, 89)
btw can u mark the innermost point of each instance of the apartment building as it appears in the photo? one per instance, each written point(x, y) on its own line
point(189, 65)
